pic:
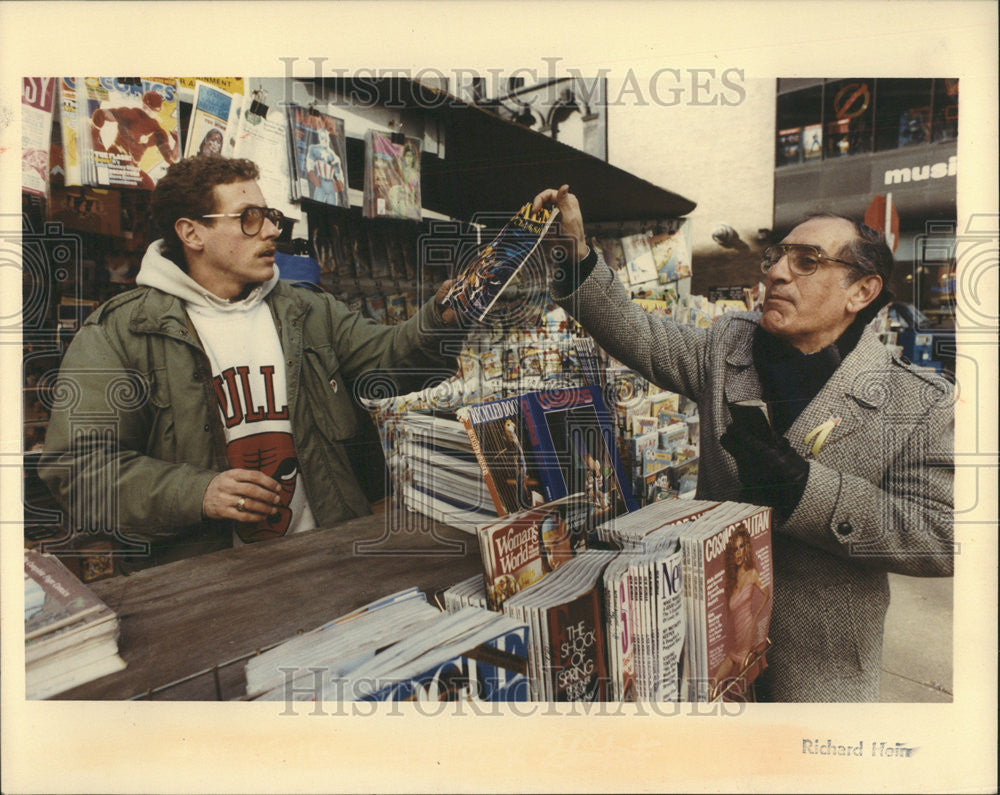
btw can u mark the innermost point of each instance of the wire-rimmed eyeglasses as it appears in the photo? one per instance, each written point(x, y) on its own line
point(252, 218)
point(803, 259)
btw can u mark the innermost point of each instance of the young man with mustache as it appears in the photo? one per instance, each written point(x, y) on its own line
point(221, 392)
point(859, 468)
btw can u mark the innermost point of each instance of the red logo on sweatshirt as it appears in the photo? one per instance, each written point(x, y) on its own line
point(274, 455)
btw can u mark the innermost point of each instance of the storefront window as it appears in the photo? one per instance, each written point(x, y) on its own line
point(902, 113)
point(848, 110)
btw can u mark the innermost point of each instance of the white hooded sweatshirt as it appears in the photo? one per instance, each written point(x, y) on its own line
point(248, 371)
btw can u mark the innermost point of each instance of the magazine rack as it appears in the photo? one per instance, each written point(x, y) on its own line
point(746, 688)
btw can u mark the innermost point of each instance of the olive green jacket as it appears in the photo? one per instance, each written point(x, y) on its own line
point(136, 435)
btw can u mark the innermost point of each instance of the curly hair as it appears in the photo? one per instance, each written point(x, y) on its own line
point(187, 191)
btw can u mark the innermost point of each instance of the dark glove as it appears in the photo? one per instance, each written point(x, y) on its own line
point(771, 472)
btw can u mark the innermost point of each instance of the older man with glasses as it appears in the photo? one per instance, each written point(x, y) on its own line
point(856, 459)
point(220, 394)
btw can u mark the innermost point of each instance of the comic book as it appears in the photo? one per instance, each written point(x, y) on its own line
point(212, 113)
point(672, 254)
point(392, 176)
point(37, 100)
point(129, 129)
point(478, 286)
point(639, 259)
point(319, 156)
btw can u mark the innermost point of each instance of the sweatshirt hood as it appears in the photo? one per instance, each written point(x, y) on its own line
point(162, 273)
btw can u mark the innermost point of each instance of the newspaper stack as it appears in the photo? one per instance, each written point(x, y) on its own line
point(566, 660)
point(70, 636)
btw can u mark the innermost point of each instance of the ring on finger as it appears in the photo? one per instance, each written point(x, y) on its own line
point(241, 504)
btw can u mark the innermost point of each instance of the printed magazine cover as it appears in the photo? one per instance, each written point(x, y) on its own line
point(508, 467)
point(737, 587)
point(132, 130)
point(521, 549)
point(574, 445)
point(479, 285)
point(392, 176)
point(208, 129)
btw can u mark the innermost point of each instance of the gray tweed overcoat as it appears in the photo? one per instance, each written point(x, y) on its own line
point(879, 497)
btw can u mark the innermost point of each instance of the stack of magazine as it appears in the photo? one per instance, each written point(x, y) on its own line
point(470, 592)
point(565, 611)
point(71, 636)
point(118, 131)
point(541, 446)
point(336, 647)
point(631, 530)
point(399, 648)
point(728, 580)
point(438, 473)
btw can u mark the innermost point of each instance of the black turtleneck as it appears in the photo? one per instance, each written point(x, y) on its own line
point(791, 379)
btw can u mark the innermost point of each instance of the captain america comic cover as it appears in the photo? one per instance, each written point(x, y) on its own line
point(320, 156)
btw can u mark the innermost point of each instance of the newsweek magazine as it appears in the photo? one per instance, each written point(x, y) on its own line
point(129, 130)
point(479, 285)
